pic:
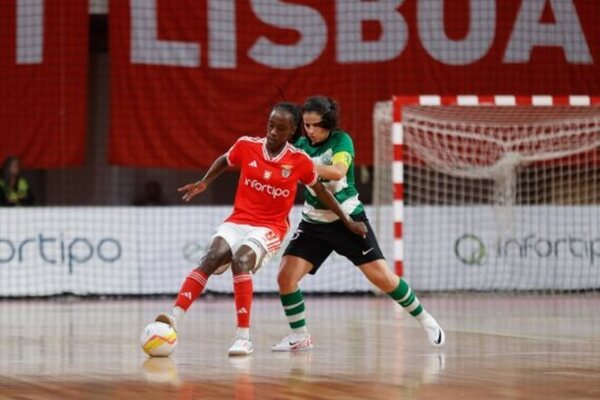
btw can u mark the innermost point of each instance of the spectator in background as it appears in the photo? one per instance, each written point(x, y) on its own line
point(153, 195)
point(14, 189)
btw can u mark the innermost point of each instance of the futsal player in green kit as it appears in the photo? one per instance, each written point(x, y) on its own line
point(321, 231)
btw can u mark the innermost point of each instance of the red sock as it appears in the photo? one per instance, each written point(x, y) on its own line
point(242, 292)
point(190, 290)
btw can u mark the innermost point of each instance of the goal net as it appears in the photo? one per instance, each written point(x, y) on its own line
point(500, 193)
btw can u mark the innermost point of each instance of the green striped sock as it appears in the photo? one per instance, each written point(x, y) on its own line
point(293, 305)
point(404, 296)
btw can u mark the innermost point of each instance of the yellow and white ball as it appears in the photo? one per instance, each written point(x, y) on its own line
point(159, 339)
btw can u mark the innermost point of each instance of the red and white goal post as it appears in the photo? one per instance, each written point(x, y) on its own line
point(490, 192)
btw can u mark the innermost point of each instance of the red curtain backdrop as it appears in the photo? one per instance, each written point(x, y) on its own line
point(43, 81)
point(188, 78)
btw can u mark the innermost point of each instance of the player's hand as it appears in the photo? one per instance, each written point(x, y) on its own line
point(357, 227)
point(192, 190)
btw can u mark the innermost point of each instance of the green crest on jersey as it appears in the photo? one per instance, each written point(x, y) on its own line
point(343, 190)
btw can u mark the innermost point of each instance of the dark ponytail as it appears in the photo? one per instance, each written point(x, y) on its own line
point(327, 108)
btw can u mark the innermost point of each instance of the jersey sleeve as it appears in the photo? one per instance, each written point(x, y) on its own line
point(235, 152)
point(343, 150)
point(308, 172)
point(342, 157)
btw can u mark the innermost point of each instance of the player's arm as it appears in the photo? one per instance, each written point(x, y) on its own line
point(340, 163)
point(191, 190)
point(327, 198)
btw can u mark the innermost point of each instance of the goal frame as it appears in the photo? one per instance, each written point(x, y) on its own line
point(398, 102)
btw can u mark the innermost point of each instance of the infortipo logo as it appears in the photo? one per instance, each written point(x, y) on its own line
point(271, 190)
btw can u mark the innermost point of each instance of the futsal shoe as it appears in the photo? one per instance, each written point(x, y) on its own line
point(435, 333)
point(294, 342)
point(167, 319)
point(241, 347)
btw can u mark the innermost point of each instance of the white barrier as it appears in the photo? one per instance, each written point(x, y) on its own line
point(529, 248)
point(129, 250)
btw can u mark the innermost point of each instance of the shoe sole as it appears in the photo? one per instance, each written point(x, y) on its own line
point(293, 350)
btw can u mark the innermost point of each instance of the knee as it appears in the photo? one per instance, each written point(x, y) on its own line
point(243, 263)
point(381, 276)
point(286, 281)
point(210, 262)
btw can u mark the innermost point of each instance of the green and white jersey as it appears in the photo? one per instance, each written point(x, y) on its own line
point(344, 190)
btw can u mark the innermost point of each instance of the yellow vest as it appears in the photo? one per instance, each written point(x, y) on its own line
point(15, 196)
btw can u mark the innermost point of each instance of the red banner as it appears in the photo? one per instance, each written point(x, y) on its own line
point(43, 81)
point(189, 77)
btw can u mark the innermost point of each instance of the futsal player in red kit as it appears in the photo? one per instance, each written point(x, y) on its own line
point(270, 170)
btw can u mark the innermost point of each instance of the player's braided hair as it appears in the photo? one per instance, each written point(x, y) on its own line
point(327, 108)
point(296, 113)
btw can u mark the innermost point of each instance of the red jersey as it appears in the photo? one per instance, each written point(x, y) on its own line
point(267, 186)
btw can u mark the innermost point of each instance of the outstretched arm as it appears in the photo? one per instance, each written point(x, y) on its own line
point(327, 198)
point(191, 190)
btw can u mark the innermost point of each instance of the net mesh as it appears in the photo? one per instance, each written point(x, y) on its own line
point(514, 153)
point(499, 198)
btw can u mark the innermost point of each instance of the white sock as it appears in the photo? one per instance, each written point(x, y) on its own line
point(178, 313)
point(243, 333)
point(303, 330)
point(423, 316)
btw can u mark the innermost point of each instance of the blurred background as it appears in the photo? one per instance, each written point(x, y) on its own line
point(111, 105)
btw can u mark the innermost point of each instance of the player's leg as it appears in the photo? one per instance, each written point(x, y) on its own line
point(400, 291)
point(291, 271)
point(218, 254)
point(304, 254)
point(257, 246)
point(367, 255)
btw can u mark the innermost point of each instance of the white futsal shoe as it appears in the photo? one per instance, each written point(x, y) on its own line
point(167, 319)
point(294, 342)
point(435, 333)
point(241, 347)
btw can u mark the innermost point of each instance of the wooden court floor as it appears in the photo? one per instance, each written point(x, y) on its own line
point(498, 347)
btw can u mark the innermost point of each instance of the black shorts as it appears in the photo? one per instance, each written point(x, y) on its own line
point(315, 242)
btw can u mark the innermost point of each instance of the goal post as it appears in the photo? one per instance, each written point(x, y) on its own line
point(490, 192)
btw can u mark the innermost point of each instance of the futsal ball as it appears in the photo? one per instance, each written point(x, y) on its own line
point(159, 339)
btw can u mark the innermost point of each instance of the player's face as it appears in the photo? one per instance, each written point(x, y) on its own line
point(314, 131)
point(279, 129)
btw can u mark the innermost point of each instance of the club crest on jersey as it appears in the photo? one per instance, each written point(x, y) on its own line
point(286, 170)
point(267, 175)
